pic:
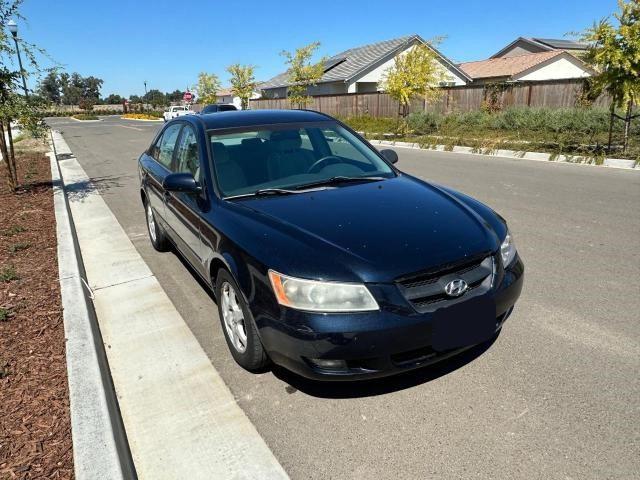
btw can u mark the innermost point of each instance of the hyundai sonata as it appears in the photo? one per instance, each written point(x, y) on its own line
point(323, 256)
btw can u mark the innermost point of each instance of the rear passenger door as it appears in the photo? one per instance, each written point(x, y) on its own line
point(162, 153)
point(183, 210)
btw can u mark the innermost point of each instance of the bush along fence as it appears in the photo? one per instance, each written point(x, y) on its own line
point(466, 98)
point(563, 131)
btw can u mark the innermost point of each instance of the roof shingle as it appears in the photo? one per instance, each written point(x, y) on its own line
point(347, 63)
point(506, 67)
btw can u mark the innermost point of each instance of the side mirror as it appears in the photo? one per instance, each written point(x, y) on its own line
point(390, 155)
point(181, 182)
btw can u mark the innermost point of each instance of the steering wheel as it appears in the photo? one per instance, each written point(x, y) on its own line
point(323, 162)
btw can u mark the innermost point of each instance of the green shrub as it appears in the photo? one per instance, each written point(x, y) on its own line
point(477, 119)
point(85, 116)
point(424, 123)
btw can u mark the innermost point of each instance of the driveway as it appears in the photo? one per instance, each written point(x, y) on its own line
point(555, 396)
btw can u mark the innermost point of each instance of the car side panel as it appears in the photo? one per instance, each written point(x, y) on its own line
point(183, 218)
point(152, 176)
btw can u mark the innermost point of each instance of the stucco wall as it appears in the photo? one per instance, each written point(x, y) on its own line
point(560, 68)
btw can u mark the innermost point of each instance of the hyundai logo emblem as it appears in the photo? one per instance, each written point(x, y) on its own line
point(456, 287)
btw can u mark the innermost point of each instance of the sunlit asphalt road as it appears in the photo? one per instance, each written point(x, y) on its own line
point(555, 396)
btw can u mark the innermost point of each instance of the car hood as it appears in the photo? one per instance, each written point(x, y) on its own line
point(377, 231)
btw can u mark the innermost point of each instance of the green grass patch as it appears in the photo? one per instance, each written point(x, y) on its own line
point(18, 247)
point(4, 368)
point(8, 274)
point(5, 313)
point(13, 230)
point(85, 116)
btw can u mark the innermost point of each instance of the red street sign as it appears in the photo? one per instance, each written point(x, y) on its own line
point(187, 97)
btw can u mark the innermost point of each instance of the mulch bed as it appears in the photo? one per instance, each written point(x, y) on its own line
point(35, 428)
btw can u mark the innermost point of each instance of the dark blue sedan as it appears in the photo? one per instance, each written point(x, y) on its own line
point(323, 257)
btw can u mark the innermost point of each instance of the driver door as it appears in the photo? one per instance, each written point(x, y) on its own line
point(183, 210)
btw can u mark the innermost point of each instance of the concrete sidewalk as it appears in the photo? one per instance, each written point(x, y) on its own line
point(180, 418)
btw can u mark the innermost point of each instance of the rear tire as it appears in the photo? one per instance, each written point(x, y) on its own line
point(238, 325)
point(157, 235)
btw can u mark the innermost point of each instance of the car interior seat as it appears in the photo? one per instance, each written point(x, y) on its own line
point(229, 174)
point(286, 157)
point(253, 160)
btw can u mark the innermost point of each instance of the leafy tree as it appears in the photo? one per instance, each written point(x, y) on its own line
point(155, 98)
point(27, 112)
point(302, 73)
point(243, 83)
point(135, 99)
point(75, 88)
point(175, 96)
point(49, 88)
point(91, 88)
point(113, 99)
point(416, 73)
point(208, 86)
point(614, 52)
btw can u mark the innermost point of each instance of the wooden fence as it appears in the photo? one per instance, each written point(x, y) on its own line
point(550, 93)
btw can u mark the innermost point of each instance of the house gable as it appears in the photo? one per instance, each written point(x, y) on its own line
point(560, 67)
point(521, 46)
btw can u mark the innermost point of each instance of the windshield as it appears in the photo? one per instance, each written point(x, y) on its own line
point(250, 160)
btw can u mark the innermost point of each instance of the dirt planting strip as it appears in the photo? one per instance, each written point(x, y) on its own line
point(35, 429)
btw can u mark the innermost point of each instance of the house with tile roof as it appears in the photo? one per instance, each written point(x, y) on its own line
point(549, 65)
point(361, 69)
point(523, 46)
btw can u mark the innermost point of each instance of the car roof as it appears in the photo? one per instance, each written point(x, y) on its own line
point(249, 118)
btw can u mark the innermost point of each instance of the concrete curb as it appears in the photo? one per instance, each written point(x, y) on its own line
point(84, 121)
point(537, 156)
point(181, 419)
point(141, 119)
point(97, 453)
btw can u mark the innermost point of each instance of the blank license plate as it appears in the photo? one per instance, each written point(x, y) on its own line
point(466, 323)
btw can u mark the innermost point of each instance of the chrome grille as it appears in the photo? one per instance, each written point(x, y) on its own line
point(425, 291)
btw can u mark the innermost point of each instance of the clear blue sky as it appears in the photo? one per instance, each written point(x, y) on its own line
point(168, 42)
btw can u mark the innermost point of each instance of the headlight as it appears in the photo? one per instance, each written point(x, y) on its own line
point(508, 250)
point(321, 296)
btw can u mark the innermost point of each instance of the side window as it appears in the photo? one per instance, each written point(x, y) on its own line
point(187, 158)
point(167, 144)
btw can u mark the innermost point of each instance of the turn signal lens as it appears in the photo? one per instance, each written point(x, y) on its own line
point(319, 296)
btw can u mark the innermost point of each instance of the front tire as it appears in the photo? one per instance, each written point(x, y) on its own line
point(238, 325)
point(157, 236)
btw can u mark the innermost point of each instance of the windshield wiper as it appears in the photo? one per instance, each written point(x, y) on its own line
point(337, 180)
point(265, 191)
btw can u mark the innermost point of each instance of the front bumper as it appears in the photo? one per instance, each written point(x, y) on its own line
point(376, 344)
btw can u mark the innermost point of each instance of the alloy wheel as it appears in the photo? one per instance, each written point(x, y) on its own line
point(233, 318)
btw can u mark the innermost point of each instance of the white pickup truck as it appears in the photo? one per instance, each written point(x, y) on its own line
point(176, 111)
